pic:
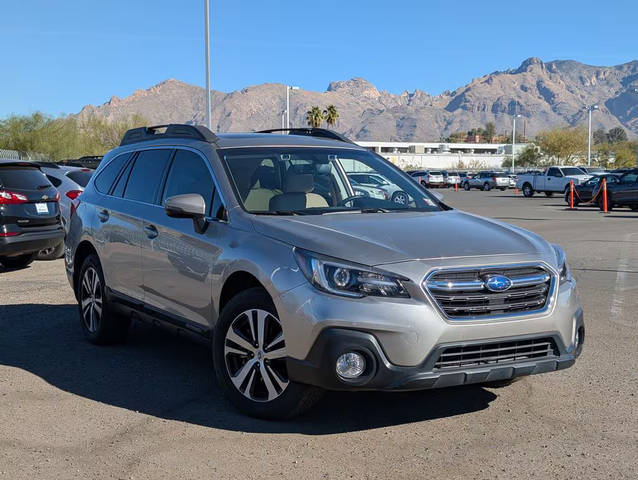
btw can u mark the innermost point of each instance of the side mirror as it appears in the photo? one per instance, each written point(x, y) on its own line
point(189, 205)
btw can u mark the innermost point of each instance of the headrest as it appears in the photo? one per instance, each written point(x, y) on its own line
point(266, 177)
point(299, 183)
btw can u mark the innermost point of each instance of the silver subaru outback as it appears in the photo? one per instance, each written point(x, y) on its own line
point(259, 244)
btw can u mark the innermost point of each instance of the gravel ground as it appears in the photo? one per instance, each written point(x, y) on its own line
point(151, 409)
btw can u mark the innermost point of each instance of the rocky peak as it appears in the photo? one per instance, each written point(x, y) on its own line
point(530, 64)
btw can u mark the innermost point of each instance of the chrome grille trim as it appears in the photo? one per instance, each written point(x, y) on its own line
point(496, 353)
point(461, 294)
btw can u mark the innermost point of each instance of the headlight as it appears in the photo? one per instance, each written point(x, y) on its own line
point(349, 280)
point(561, 260)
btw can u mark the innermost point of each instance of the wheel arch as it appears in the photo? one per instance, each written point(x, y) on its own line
point(83, 250)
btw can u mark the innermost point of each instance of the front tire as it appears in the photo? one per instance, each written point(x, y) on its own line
point(19, 261)
point(100, 324)
point(466, 186)
point(249, 356)
point(486, 187)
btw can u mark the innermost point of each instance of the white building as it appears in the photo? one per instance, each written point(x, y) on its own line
point(438, 155)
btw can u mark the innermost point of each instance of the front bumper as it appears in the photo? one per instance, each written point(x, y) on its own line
point(319, 367)
point(29, 242)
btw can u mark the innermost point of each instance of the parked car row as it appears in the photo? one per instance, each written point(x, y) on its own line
point(622, 191)
point(34, 209)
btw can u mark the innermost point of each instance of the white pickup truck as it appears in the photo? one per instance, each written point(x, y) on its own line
point(553, 180)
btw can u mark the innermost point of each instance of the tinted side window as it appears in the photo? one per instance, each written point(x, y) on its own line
point(81, 177)
point(120, 184)
point(146, 175)
point(107, 176)
point(56, 182)
point(218, 211)
point(189, 174)
point(552, 172)
point(629, 178)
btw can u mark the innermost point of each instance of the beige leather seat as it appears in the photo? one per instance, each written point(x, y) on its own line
point(297, 194)
point(264, 187)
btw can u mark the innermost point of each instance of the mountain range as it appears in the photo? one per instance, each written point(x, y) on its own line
point(545, 94)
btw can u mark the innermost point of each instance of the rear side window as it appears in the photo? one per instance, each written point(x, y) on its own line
point(80, 177)
point(22, 178)
point(189, 174)
point(146, 175)
point(107, 176)
point(55, 181)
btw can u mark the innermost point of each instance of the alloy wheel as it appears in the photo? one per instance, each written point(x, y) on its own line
point(255, 355)
point(91, 300)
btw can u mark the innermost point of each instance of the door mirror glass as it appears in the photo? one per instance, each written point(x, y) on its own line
point(189, 205)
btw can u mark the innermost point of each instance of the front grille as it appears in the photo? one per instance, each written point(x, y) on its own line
point(492, 353)
point(464, 294)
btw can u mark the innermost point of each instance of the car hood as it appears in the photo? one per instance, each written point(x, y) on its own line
point(382, 238)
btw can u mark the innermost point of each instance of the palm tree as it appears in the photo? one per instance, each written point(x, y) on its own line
point(331, 115)
point(314, 117)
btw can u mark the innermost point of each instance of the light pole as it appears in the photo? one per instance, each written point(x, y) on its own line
point(518, 115)
point(207, 49)
point(288, 88)
point(589, 109)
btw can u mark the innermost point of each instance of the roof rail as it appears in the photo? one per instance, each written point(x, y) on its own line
point(173, 130)
point(311, 132)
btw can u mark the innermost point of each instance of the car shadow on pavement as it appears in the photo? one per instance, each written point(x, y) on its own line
point(161, 374)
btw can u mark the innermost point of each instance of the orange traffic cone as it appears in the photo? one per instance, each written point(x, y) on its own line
point(456, 187)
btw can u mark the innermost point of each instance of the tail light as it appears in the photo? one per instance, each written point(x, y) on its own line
point(73, 194)
point(9, 234)
point(12, 198)
point(385, 194)
point(494, 178)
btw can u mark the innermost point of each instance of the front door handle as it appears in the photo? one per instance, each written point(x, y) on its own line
point(151, 231)
point(103, 215)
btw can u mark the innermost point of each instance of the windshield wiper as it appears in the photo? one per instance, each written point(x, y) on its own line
point(375, 210)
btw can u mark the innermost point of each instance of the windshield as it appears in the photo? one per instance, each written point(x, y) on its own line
point(293, 180)
point(572, 171)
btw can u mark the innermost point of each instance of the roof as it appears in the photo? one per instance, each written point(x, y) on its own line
point(22, 163)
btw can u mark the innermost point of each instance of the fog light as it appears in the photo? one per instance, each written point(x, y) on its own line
point(351, 365)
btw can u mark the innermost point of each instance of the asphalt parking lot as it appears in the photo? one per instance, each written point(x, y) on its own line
point(150, 408)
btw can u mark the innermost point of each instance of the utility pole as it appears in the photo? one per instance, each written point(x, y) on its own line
point(589, 109)
point(288, 88)
point(207, 50)
point(514, 137)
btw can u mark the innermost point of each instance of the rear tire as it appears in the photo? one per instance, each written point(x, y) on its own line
point(486, 187)
point(400, 198)
point(19, 261)
point(52, 253)
point(466, 186)
point(601, 205)
point(249, 358)
point(528, 191)
point(100, 324)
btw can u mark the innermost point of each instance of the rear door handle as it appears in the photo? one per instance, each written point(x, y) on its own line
point(103, 215)
point(151, 231)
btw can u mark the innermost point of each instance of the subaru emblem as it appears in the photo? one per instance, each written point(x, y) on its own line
point(497, 283)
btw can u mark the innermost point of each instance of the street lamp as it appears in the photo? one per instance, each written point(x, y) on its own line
point(288, 88)
point(589, 109)
point(207, 50)
point(518, 115)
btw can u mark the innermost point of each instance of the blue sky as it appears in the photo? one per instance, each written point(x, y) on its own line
point(58, 55)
